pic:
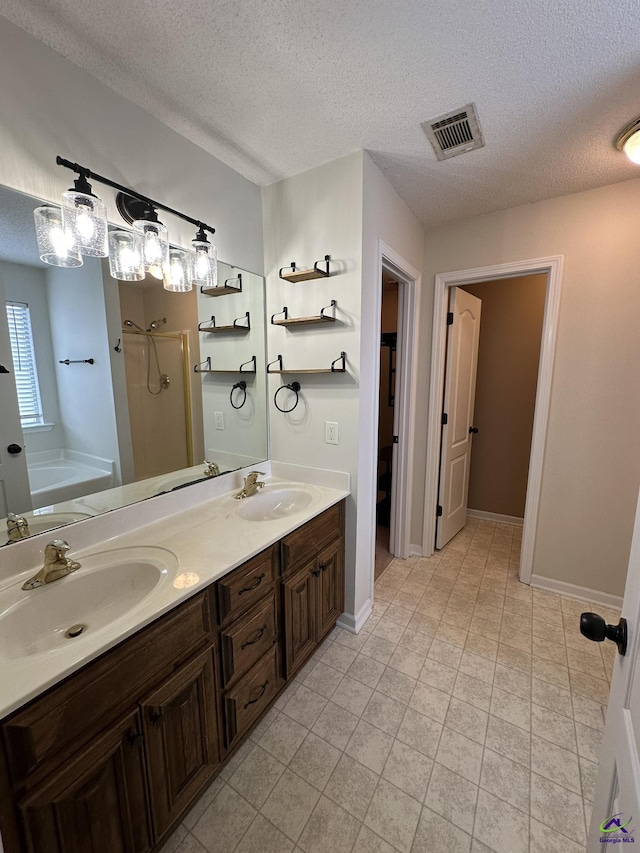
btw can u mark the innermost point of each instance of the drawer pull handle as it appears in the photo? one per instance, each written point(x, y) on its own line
point(324, 566)
point(156, 719)
point(253, 586)
point(258, 697)
point(255, 639)
point(315, 572)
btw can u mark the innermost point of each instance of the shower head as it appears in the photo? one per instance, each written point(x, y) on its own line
point(130, 323)
point(155, 324)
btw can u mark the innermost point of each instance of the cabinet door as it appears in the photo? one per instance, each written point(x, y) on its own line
point(179, 721)
point(300, 613)
point(330, 587)
point(95, 802)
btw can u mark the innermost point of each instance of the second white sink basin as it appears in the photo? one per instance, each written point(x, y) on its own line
point(107, 586)
point(270, 504)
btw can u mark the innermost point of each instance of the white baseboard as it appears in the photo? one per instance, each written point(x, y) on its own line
point(353, 623)
point(415, 550)
point(495, 516)
point(606, 599)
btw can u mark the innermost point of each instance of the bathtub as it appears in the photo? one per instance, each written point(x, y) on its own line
point(62, 475)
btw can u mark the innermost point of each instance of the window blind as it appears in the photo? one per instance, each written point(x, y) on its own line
point(24, 363)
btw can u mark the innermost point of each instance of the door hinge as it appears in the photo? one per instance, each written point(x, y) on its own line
point(439, 511)
point(445, 419)
point(450, 318)
point(395, 439)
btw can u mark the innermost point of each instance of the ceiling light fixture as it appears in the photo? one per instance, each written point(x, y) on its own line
point(628, 140)
point(81, 227)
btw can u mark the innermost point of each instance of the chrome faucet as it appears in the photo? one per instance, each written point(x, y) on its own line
point(56, 565)
point(251, 485)
point(212, 469)
point(17, 527)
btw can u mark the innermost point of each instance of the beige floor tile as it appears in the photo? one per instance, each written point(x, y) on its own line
point(511, 708)
point(224, 822)
point(282, 738)
point(352, 695)
point(323, 679)
point(482, 646)
point(505, 779)
point(589, 742)
point(460, 754)
point(484, 627)
point(188, 845)
point(416, 641)
point(585, 663)
point(405, 599)
point(352, 786)
point(378, 649)
point(547, 840)
point(455, 617)
point(173, 842)
point(520, 640)
point(473, 691)
point(263, 837)
point(290, 804)
point(369, 842)
point(397, 614)
point(314, 761)
point(510, 740)
point(557, 808)
point(478, 667)
point(394, 816)
point(408, 769)
point(438, 675)
point(587, 712)
point(238, 757)
point(463, 599)
point(397, 685)
point(203, 803)
point(512, 681)
point(435, 834)
point(384, 712)
point(350, 640)
point(370, 746)
point(452, 635)
point(335, 725)
point(431, 611)
point(305, 706)
point(256, 776)
point(553, 727)
point(445, 653)
point(500, 825)
point(340, 657)
point(329, 828)
point(515, 658)
point(551, 672)
point(591, 688)
point(420, 732)
point(551, 697)
point(452, 796)
point(479, 847)
point(407, 661)
point(467, 720)
point(388, 630)
point(429, 701)
point(363, 669)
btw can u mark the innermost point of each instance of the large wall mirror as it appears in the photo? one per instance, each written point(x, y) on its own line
point(112, 392)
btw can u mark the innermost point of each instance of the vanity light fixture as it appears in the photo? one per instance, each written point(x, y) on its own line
point(78, 229)
point(628, 140)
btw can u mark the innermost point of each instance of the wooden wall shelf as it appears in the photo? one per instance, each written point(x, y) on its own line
point(198, 368)
point(305, 321)
point(332, 369)
point(236, 326)
point(224, 289)
point(294, 274)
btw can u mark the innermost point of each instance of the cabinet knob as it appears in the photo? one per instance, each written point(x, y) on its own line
point(136, 740)
point(315, 572)
point(156, 719)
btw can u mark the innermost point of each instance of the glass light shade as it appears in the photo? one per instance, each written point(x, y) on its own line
point(203, 264)
point(176, 271)
point(155, 245)
point(632, 147)
point(56, 244)
point(86, 216)
point(126, 262)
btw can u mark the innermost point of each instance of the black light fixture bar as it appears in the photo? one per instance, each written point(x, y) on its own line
point(88, 174)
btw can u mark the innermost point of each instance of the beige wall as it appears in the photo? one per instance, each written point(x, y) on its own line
point(591, 467)
point(508, 357)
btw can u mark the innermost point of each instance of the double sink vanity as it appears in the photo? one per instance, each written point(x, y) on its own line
point(127, 684)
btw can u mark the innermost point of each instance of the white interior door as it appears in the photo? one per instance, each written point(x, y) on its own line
point(463, 339)
point(14, 479)
point(616, 805)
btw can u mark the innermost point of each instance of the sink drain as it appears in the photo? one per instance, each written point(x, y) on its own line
point(74, 631)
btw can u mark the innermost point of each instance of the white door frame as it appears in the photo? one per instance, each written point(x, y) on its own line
point(409, 323)
point(552, 267)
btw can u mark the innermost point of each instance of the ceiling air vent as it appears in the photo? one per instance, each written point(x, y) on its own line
point(454, 133)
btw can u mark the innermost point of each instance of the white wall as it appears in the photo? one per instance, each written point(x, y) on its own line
point(48, 106)
point(306, 217)
point(592, 467)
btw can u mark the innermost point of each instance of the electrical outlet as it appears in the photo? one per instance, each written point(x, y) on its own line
point(331, 432)
point(219, 419)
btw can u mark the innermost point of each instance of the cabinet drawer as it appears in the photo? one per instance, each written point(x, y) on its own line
point(247, 584)
point(316, 534)
point(248, 638)
point(250, 696)
point(60, 722)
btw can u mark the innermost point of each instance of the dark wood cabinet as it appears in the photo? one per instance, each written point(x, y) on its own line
point(96, 802)
point(330, 587)
point(180, 732)
point(299, 604)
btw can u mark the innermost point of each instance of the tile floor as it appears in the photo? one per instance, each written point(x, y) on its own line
point(466, 716)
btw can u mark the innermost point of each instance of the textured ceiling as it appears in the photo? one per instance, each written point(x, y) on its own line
point(275, 87)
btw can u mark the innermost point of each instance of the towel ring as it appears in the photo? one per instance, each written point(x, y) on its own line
point(242, 385)
point(293, 386)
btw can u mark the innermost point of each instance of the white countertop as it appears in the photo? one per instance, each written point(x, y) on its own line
point(208, 539)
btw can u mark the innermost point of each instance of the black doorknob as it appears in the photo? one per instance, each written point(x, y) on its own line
point(593, 627)
point(14, 448)
point(473, 430)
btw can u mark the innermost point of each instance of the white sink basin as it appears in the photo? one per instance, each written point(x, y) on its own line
point(107, 586)
point(270, 504)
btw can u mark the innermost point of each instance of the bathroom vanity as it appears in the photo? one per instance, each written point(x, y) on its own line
point(113, 756)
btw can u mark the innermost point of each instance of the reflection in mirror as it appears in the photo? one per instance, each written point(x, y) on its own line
point(113, 393)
